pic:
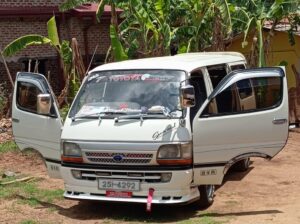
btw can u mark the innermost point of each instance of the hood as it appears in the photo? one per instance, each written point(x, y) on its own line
point(149, 130)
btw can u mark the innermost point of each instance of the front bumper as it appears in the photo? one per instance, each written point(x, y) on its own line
point(178, 190)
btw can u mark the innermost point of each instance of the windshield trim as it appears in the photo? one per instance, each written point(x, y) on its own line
point(86, 80)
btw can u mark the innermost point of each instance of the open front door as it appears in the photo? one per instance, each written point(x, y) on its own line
point(32, 129)
point(234, 128)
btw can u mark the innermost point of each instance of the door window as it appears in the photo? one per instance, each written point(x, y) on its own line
point(27, 96)
point(247, 95)
point(216, 73)
point(244, 88)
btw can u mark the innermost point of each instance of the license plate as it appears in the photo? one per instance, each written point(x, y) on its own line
point(120, 185)
point(119, 194)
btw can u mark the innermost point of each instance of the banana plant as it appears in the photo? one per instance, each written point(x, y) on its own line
point(63, 48)
point(196, 32)
point(250, 16)
point(116, 46)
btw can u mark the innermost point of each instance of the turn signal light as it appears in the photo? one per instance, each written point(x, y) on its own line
point(71, 159)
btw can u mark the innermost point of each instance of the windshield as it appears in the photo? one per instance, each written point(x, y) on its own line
point(129, 92)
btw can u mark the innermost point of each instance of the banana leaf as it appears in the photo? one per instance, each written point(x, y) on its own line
point(117, 48)
point(23, 42)
point(52, 31)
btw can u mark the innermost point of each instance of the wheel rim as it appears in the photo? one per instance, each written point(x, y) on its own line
point(210, 189)
point(247, 163)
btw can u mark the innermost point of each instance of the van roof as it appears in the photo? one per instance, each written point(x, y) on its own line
point(186, 62)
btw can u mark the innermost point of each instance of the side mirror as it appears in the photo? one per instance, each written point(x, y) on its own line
point(187, 96)
point(44, 104)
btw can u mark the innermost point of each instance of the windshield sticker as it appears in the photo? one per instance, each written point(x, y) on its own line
point(130, 77)
point(89, 109)
point(127, 77)
point(149, 77)
point(123, 106)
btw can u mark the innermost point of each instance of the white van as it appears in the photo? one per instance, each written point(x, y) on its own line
point(158, 130)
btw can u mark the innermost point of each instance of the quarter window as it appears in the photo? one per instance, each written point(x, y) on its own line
point(216, 73)
point(27, 96)
point(247, 95)
point(237, 67)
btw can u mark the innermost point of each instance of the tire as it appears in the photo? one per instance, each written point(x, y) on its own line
point(206, 196)
point(242, 165)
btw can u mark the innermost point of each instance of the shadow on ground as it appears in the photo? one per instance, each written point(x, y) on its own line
point(91, 210)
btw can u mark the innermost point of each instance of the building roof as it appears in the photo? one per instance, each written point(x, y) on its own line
point(186, 62)
point(282, 26)
point(91, 9)
point(85, 10)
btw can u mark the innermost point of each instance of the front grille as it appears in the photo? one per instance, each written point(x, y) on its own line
point(143, 177)
point(126, 158)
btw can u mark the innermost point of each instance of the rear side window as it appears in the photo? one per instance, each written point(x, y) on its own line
point(27, 96)
point(248, 95)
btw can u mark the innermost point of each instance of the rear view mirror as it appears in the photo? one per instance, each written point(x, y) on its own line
point(187, 96)
point(44, 104)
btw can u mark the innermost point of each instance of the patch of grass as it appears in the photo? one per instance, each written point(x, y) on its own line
point(28, 222)
point(231, 202)
point(9, 146)
point(29, 193)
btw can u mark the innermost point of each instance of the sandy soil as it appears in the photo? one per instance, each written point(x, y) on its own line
point(268, 193)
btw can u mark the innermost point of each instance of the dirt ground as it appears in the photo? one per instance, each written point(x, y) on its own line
point(268, 193)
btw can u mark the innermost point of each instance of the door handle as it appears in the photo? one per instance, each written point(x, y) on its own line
point(15, 120)
point(280, 121)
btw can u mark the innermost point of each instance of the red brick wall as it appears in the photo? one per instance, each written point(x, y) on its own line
point(13, 28)
point(10, 29)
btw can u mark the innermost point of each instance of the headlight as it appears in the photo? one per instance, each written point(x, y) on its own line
point(71, 152)
point(169, 152)
point(71, 149)
point(175, 154)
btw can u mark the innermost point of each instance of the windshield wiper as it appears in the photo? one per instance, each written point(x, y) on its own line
point(98, 115)
point(156, 113)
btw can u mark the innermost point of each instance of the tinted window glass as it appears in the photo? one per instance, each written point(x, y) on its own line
point(27, 96)
point(216, 74)
point(237, 67)
point(200, 92)
point(268, 92)
point(248, 95)
point(244, 88)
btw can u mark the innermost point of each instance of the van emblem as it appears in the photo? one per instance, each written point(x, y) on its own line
point(118, 158)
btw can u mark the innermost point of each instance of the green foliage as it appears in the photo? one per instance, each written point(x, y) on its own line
point(100, 8)
point(29, 193)
point(70, 4)
point(66, 52)
point(64, 111)
point(52, 32)
point(23, 42)
point(28, 222)
point(250, 17)
point(117, 48)
point(64, 49)
point(9, 146)
point(3, 100)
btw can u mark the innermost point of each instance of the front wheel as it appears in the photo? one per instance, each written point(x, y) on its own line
point(206, 195)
